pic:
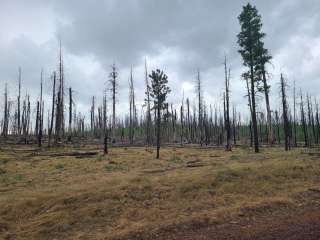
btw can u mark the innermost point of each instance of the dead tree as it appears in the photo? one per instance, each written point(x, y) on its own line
point(92, 114)
point(105, 126)
point(26, 118)
point(311, 120)
point(285, 114)
point(227, 110)
point(70, 115)
point(6, 113)
point(182, 120)
point(303, 122)
point(40, 114)
point(294, 116)
point(234, 123)
point(278, 126)
point(59, 125)
point(114, 84)
point(260, 68)
point(131, 108)
point(50, 130)
point(246, 77)
point(147, 103)
point(19, 103)
point(188, 121)
point(317, 119)
point(199, 96)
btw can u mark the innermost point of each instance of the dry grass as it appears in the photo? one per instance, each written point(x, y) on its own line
point(130, 193)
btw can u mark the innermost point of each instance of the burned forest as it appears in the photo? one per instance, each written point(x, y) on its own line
point(159, 120)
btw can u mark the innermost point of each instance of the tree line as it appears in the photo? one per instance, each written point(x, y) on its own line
point(160, 122)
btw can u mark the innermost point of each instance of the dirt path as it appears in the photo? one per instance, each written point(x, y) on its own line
point(302, 226)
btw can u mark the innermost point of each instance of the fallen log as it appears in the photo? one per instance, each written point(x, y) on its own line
point(74, 154)
point(196, 164)
point(67, 154)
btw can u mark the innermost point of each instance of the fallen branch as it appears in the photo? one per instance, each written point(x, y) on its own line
point(67, 154)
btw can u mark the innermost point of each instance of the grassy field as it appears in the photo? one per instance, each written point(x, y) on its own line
point(131, 195)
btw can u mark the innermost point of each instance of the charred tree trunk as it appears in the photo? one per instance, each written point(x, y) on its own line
point(105, 126)
point(5, 113)
point(19, 100)
point(158, 130)
point(70, 115)
point(285, 114)
point(303, 122)
point(266, 93)
point(294, 116)
point(50, 130)
point(227, 110)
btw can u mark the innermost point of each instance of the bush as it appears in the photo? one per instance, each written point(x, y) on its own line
point(59, 166)
point(174, 158)
point(234, 157)
point(18, 177)
point(100, 158)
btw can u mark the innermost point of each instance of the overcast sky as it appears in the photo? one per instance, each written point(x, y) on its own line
point(178, 36)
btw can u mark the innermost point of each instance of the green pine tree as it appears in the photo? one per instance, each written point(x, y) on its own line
point(251, 45)
point(159, 92)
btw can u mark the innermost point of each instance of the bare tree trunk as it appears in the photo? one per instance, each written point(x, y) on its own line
point(303, 122)
point(285, 114)
point(131, 108)
point(266, 93)
point(148, 128)
point(19, 99)
point(294, 115)
point(158, 129)
point(199, 93)
point(253, 113)
point(70, 115)
point(53, 107)
point(227, 111)
point(6, 113)
point(234, 120)
point(40, 116)
point(105, 127)
point(113, 82)
point(188, 122)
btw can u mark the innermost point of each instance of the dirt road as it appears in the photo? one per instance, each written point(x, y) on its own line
point(302, 226)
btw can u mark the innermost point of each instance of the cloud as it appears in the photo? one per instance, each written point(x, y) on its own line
point(177, 36)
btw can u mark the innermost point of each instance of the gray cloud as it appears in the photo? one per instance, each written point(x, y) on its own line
point(178, 36)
